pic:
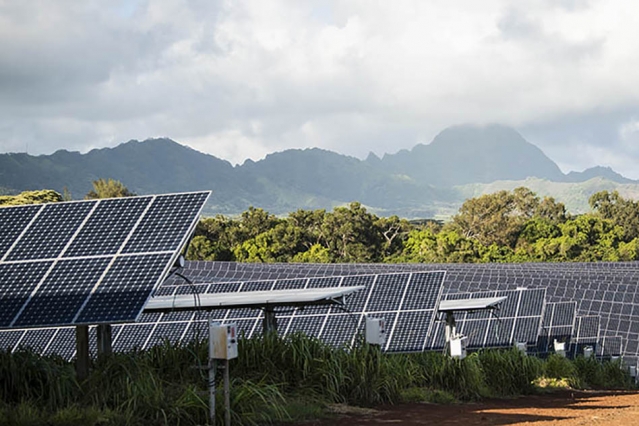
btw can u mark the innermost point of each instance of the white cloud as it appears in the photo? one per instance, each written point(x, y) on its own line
point(239, 79)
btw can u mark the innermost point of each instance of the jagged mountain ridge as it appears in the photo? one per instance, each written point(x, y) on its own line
point(409, 183)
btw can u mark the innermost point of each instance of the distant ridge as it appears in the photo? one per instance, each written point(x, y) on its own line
point(426, 181)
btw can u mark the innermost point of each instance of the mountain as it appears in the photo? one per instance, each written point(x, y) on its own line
point(426, 181)
point(473, 154)
point(597, 172)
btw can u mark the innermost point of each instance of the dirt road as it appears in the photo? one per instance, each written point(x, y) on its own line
point(566, 408)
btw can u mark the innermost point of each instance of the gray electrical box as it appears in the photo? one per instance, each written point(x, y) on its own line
point(521, 347)
point(375, 331)
point(588, 351)
point(222, 341)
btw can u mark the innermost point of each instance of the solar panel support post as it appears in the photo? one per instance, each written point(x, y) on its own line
point(82, 351)
point(269, 325)
point(227, 394)
point(212, 370)
point(104, 339)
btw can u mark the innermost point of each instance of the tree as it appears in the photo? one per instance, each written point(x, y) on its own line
point(350, 234)
point(610, 205)
point(108, 188)
point(31, 197)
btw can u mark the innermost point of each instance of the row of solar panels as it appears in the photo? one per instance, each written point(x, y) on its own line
point(607, 290)
point(407, 301)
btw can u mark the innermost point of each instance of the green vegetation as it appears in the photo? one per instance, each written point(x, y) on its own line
point(516, 226)
point(108, 188)
point(30, 197)
point(273, 380)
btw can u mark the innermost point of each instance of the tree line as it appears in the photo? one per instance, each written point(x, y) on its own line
point(515, 226)
point(507, 226)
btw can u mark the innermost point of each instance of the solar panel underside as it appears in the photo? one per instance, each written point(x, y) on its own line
point(517, 320)
point(407, 301)
point(89, 262)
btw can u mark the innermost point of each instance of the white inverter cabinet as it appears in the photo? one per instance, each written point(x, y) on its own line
point(223, 341)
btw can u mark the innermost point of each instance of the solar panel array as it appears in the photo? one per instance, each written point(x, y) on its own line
point(607, 290)
point(91, 261)
point(517, 320)
point(604, 289)
point(407, 301)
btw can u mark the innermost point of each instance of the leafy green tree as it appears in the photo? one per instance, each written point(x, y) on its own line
point(31, 197)
point(611, 205)
point(108, 188)
point(315, 254)
point(349, 234)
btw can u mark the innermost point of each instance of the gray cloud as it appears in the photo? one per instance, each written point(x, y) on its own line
point(241, 79)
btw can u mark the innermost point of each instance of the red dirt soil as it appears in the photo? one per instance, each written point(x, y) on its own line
point(565, 408)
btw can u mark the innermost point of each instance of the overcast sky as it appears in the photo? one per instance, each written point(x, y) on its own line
point(240, 79)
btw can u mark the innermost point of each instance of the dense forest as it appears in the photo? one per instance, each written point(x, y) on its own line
point(506, 226)
point(516, 226)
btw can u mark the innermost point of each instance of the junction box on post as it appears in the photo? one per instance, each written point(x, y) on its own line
point(222, 346)
point(375, 331)
point(223, 341)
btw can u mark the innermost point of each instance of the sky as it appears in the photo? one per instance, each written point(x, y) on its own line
point(240, 79)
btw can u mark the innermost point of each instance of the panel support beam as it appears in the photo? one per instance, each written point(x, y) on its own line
point(269, 324)
point(82, 361)
point(105, 347)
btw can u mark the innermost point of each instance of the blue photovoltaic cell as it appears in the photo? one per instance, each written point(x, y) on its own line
point(9, 339)
point(108, 227)
point(166, 223)
point(170, 332)
point(60, 343)
point(12, 222)
point(409, 334)
point(62, 293)
point(339, 329)
point(423, 287)
point(132, 336)
point(306, 324)
point(125, 288)
point(51, 232)
point(387, 293)
point(17, 282)
point(37, 340)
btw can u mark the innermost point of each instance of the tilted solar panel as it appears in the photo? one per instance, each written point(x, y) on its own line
point(89, 262)
point(517, 320)
point(558, 324)
point(586, 334)
point(407, 301)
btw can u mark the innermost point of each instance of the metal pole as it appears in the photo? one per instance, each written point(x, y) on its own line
point(227, 394)
point(82, 352)
point(212, 367)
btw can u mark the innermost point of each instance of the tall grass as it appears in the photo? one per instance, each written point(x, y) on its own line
point(272, 380)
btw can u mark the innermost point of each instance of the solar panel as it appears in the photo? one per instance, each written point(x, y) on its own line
point(586, 334)
point(88, 262)
point(558, 324)
point(517, 320)
point(610, 347)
